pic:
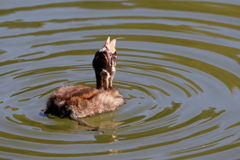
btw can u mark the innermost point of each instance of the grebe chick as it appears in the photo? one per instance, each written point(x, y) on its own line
point(76, 101)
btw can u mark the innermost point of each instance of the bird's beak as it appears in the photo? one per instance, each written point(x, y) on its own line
point(110, 45)
point(110, 48)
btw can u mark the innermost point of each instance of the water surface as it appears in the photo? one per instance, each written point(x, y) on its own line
point(178, 70)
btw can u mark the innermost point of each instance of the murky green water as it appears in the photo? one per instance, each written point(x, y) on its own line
point(178, 69)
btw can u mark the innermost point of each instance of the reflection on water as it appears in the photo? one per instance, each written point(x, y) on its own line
point(178, 69)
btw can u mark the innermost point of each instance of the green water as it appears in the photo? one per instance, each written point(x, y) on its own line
point(178, 70)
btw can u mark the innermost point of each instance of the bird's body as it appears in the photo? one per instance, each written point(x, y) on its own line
point(76, 101)
point(84, 101)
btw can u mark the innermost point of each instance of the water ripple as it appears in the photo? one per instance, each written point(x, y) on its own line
point(178, 70)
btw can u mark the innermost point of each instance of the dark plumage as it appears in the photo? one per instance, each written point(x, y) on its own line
point(76, 101)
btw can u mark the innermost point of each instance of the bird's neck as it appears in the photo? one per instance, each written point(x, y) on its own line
point(103, 79)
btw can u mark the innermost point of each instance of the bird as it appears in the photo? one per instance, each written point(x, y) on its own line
point(78, 101)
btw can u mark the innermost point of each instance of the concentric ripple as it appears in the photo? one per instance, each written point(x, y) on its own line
point(178, 70)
